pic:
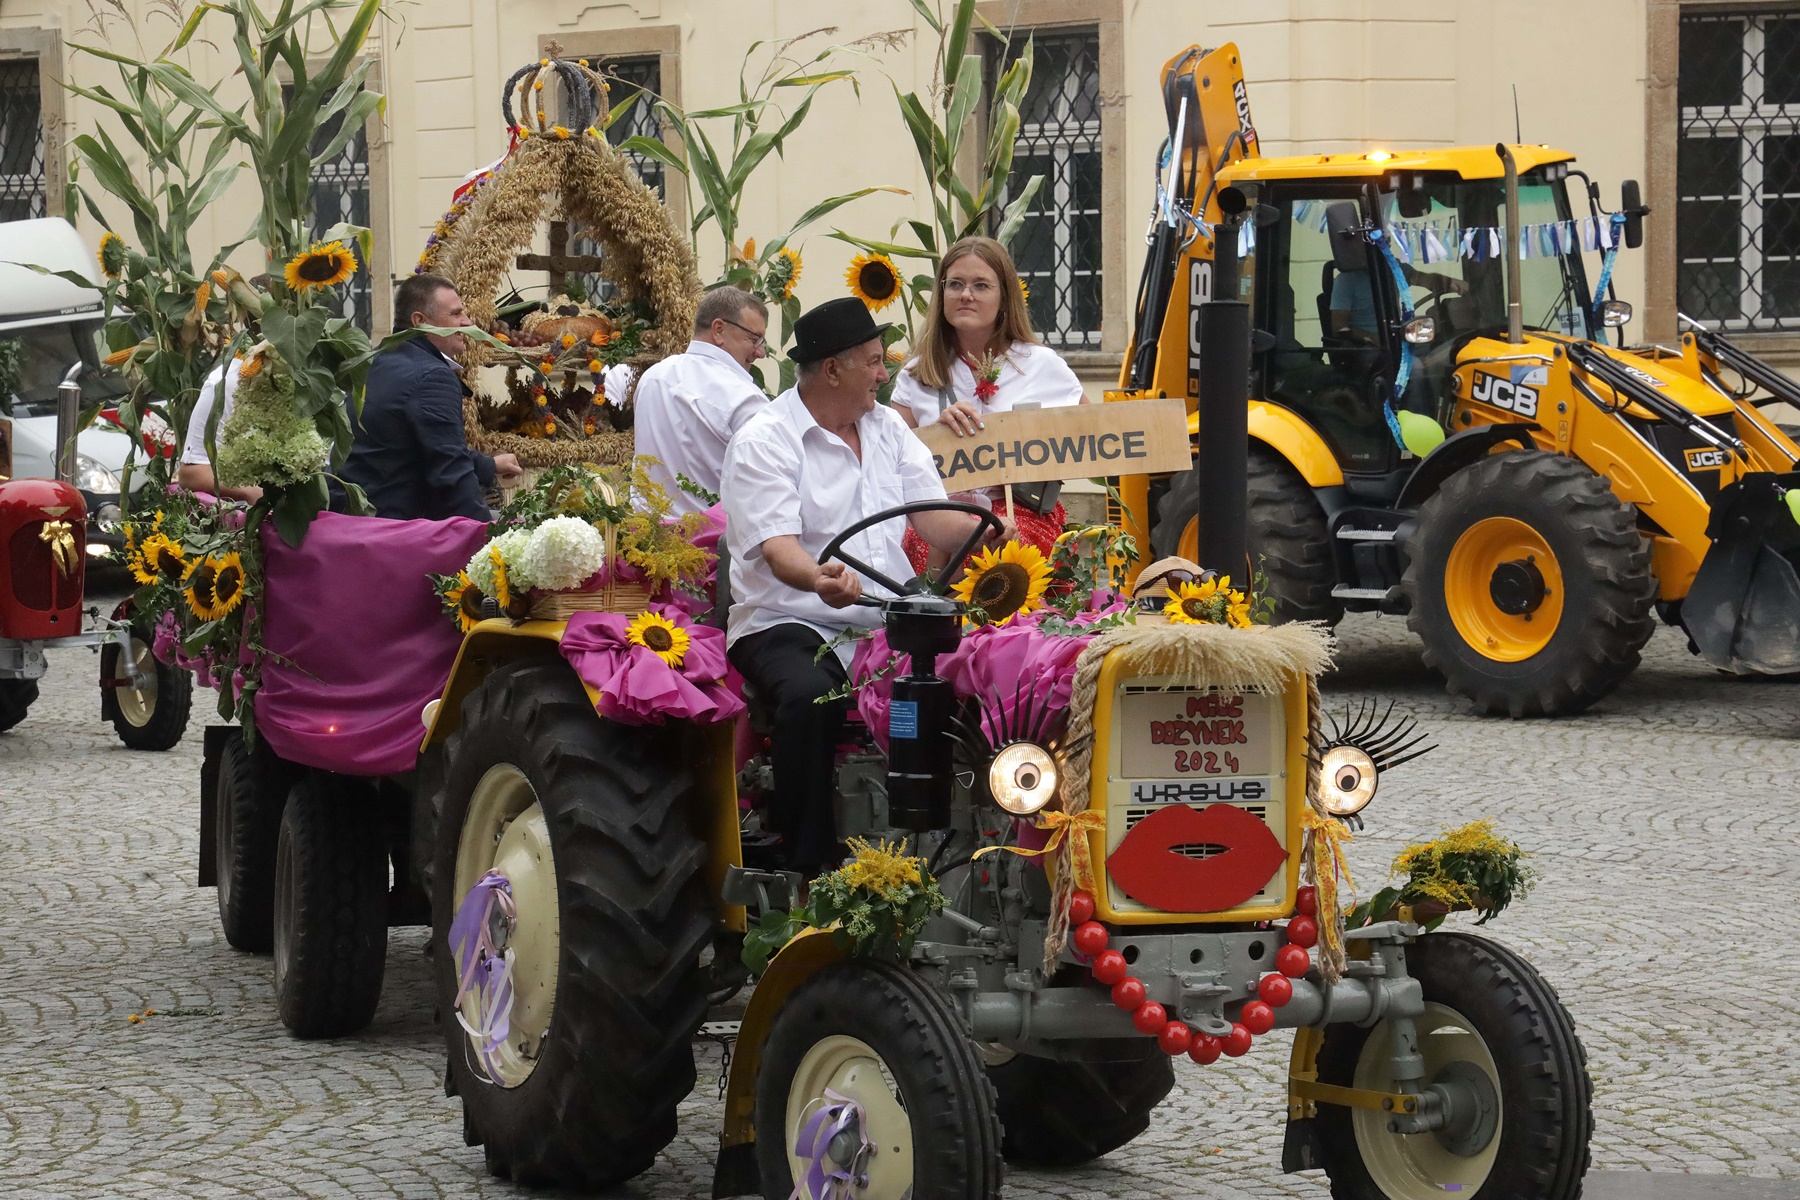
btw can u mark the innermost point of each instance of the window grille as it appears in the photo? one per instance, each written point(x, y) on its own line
point(628, 76)
point(338, 193)
point(1057, 248)
point(1737, 219)
point(23, 191)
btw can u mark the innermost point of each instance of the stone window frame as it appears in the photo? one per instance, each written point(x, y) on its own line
point(46, 47)
point(1108, 16)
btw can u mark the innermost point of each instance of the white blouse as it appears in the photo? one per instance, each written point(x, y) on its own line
point(1030, 374)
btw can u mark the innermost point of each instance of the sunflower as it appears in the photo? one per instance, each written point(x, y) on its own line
point(200, 587)
point(786, 272)
point(228, 584)
point(112, 254)
point(874, 280)
point(327, 264)
point(1209, 602)
point(502, 586)
point(659, 635)
point(1024, 290)
point(1002, 583)
point(159, 558)
point(463, 601)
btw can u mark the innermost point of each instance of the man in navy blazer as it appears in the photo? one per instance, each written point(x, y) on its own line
point(410, 455)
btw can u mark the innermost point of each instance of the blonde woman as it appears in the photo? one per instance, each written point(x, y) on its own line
point(979, 356)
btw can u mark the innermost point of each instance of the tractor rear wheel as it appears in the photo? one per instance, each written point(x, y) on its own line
point(16, 696)
point(588, 820)
point(1285, 532)
point(1530, 585)
point(1501, 1047)
point(331, 906)
point(153, 715)
point(1065, 1112)
point(880, 1045)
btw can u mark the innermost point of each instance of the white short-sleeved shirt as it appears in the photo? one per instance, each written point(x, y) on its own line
point(785, 474)
point(194, 449)
point(1029, 374)
point(687, 407)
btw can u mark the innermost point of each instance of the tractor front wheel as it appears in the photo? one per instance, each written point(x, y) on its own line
point(1065, 1112)
point(867, 1071)
point(1501, 1051)
point(16, 696)
point(589, 823)
point(1530, 585)
point(153, 714)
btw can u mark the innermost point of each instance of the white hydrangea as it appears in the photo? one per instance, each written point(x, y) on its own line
point(512, 545)
point(563, 553)
point(481, 570)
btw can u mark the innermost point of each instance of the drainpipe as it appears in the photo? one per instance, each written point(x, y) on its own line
point(1515, 311)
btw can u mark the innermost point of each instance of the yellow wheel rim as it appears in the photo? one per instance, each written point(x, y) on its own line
point(850, 1068)
point(1504, 589)
point(138, 704)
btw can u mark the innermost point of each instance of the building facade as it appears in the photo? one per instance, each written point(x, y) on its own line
point(1699, 99)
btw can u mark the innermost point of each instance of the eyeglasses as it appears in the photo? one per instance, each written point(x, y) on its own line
point(756, 339)
point(977, 287)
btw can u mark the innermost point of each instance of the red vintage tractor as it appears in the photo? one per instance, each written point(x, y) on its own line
point(43, 572)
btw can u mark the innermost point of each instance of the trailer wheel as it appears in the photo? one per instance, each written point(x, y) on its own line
point(331, 907)
point(589, 822)
point(1062, 1113)
point(1285, 532)
point(253, 789)
point(1498, 1040)
point(16, 696)
point(881, 1038)
point(154, 715)
point(1530, 585)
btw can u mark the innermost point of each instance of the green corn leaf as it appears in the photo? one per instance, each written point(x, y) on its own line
point(821, 77)
point(931, 18)
point(1014, 216)
point(652, 148)
point(893, 249)
point(957, 41)
point(822, 208)
point(364, 106)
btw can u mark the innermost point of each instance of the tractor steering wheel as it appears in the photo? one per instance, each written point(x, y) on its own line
point(988, 523)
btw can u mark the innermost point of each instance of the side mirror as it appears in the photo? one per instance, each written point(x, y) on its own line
point(1615, 313)
point(1233, 202)
point(1420, 331)
point(1631, 203)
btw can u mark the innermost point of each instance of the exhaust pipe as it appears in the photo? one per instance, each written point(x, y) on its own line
point(68, 412)
point(1224, 407)
point(1515, 310)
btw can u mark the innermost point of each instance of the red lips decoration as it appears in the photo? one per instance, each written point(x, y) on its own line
point(1147, 868)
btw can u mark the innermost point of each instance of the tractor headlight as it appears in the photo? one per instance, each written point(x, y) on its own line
point(92, 476)
point(1349, 777)
point(1615, 313)
point(1022, 778)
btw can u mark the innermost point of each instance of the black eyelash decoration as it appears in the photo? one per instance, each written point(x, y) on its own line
point(1026, 719)
point(1387, 740)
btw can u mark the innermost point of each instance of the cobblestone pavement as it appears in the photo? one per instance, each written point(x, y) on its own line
point(1663, 824)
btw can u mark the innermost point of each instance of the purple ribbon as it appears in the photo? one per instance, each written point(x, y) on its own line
point(482, 969)
point(834, 1182)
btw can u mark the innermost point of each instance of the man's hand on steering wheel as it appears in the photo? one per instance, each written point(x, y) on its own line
point(986, 525)
point(837, 585)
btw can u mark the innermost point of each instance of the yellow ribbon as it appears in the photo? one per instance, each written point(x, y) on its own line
point(1058, 824)
point(61, 540)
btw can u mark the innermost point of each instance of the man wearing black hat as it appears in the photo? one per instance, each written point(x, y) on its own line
point(820, 458)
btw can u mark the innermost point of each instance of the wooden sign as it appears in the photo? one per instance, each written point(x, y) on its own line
point(1081, 441)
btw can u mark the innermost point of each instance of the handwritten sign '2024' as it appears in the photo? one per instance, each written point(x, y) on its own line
point(1042, 445)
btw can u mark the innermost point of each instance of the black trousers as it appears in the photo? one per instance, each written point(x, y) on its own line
point(780, 664)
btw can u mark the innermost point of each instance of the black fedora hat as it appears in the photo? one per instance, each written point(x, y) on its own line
point(832, 328)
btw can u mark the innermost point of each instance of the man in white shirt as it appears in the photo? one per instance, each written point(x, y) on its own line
point(689, 404)
point(195, 472)
point(820, 458)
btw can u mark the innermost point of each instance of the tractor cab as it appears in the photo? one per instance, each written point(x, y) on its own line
point(1372, 272)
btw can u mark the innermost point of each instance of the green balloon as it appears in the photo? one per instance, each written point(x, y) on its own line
point(1419, 433)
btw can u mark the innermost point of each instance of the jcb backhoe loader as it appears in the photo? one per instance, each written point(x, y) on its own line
point(1439, 426)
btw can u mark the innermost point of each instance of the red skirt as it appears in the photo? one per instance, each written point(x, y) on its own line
point(1035, 528)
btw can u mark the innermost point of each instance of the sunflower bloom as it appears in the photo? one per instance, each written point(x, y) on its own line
point(1024, 290)
point(327, 264)
point(162, 559)
point(502, 586)
point(463, 601)
point(874, 280)
point(111, 254)
point(1002, 583)
point(1209, 602)
point(659, 635)
point(228, 584)
point(199, 587)
point(788, 267)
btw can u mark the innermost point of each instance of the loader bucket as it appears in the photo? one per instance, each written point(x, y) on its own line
point(1743, 610)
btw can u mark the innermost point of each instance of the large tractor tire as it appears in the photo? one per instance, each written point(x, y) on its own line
point(589, 822)
point(1495, 1033)
point(1285, 532)
point(1062, 1113)
point(252, 792)
point(877, 1035)
point(16, 697)
point(331, 907)
point(1530, 585)
point(154, 715)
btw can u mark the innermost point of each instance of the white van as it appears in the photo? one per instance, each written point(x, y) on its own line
point(57, 324)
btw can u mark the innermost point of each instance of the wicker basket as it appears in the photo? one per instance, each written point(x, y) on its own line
point(614, 596)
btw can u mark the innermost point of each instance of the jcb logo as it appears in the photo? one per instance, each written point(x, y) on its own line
point(1199, 292)
point(1501, 393)
point(1706, 459)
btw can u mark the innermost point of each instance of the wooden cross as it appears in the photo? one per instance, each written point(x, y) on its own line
point(559, 262)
